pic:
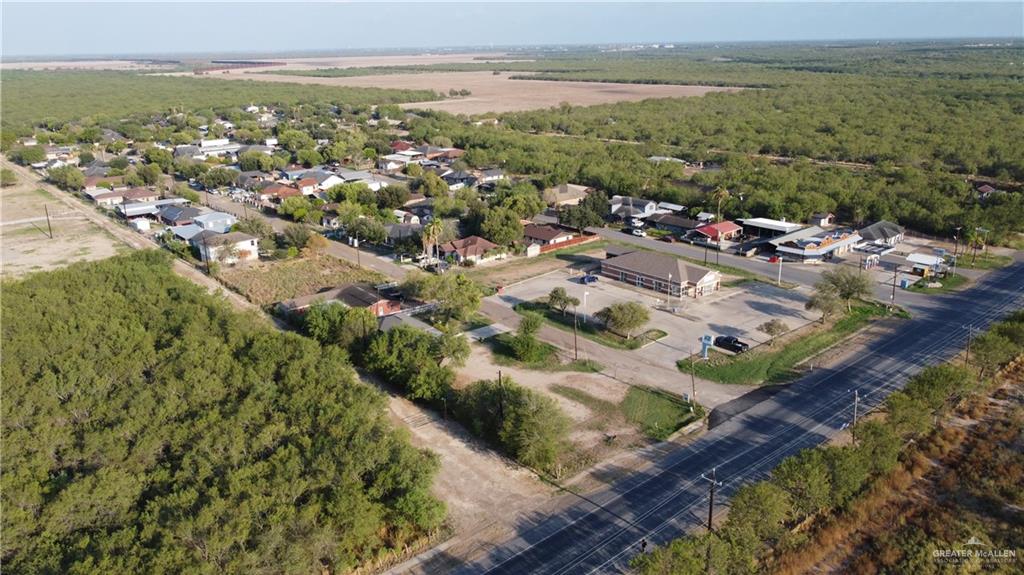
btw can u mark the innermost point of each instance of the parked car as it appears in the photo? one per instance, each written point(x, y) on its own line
point(639, 233)
point(588, 279)
point(731, 343)
point(670, 239)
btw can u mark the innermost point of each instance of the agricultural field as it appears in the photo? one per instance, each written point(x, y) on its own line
point(491, 92)
point(27, 244)
point(266, 283)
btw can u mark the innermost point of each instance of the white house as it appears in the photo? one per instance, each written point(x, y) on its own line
point(627, 207)
point(227, 248)
point(219, 222)
point(393, 162)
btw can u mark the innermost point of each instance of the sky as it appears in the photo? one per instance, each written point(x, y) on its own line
point(162, 28)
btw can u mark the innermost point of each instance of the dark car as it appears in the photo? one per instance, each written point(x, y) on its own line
point(588, 279)
point(731, 343)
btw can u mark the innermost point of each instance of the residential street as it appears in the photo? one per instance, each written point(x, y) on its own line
point(599, 534)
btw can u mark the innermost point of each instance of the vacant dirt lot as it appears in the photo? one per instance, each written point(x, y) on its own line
point(26, 245)
point(490, 92)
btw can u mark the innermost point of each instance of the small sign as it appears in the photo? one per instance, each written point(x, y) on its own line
point(705, 343)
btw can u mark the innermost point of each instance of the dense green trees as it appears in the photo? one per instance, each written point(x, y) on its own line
point(530, 426)
point(419, 363)
point(455, 295)
point(624, 318)
point(502, 226)
point(147, 428)
point(66, 177)
point(72, 95)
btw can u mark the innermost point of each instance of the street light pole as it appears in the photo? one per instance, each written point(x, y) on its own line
point(779, 280)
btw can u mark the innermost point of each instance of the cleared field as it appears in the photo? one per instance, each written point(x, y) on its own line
point(84, 65)
point(26, 244)
point(379, 60)
point(491, 92)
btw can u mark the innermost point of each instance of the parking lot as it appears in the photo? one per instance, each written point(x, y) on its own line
point(731, 311)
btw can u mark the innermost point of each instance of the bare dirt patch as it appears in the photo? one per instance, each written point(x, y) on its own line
point(26, 244)
point(494, 93)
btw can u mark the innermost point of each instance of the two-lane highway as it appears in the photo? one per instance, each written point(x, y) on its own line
point(600, 534)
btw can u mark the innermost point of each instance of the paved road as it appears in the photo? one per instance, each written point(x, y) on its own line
point(601, 534)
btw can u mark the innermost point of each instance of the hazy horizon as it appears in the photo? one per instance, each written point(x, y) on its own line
point(85, 30)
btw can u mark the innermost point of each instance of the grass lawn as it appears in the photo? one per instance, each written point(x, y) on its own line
point(656, 413)
point(949, 283)
point(268, 282)
point(600, 407)
point(589, 330)
point(984, 261)
point(501, 349)
point(775, 364)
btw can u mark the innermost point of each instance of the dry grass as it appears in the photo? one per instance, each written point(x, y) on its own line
point(490, 92)
point(25, 237)
point(269, 282)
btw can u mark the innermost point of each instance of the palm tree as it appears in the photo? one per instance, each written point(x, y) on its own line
point(431, 235)
point(720, 195)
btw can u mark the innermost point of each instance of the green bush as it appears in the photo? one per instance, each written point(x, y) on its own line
point(526, 424)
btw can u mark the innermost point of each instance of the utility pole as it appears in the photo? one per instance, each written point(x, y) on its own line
point(856, 406)
point(892, 298)
point(575, 341)
point(693, 382)
point(49, 228)
point(711, 510)
point(970, 336)
point(779, 280)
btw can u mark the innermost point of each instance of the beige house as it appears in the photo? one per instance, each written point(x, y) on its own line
point(662, 273)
